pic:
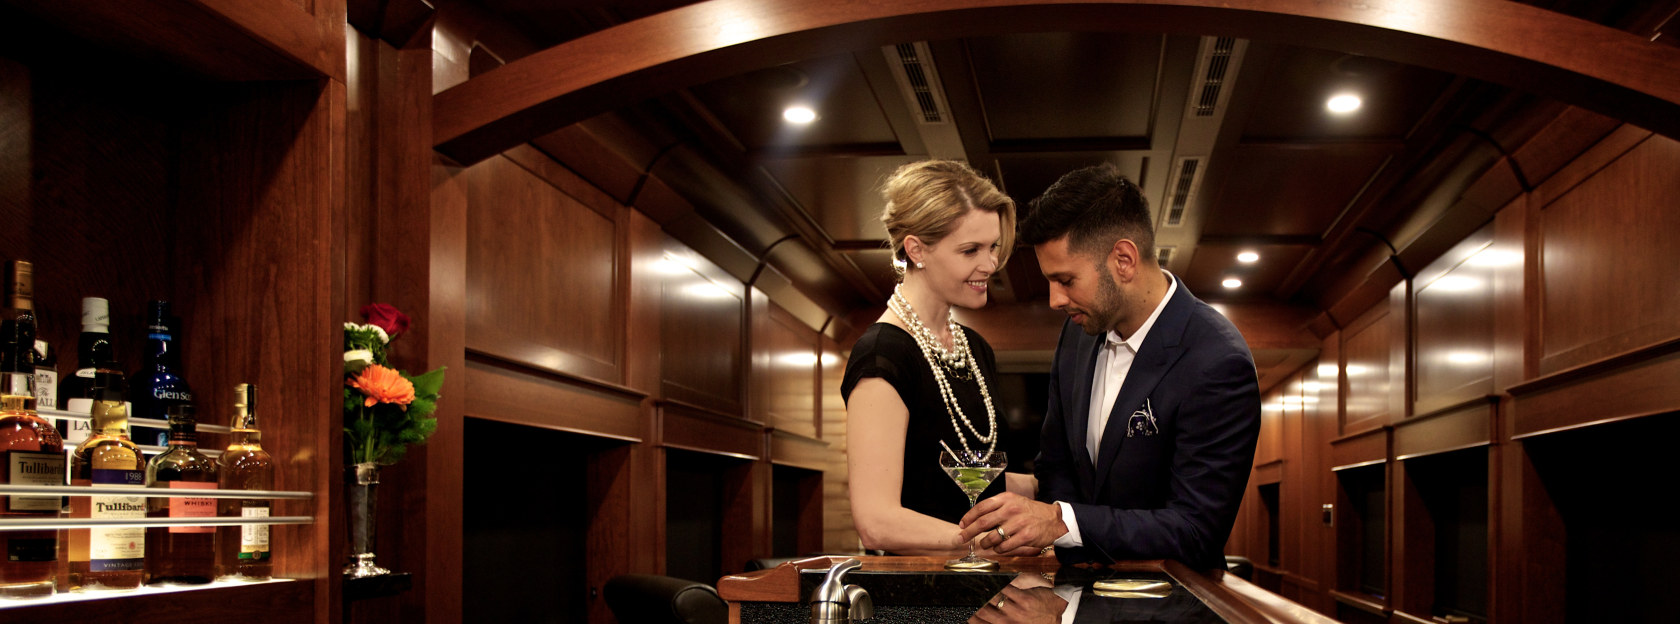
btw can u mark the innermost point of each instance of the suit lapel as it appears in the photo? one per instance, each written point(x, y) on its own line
point(1079, 420)
point(1160, 349)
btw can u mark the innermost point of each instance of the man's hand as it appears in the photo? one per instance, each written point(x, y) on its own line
point(1038, 605)
point(1028, 523)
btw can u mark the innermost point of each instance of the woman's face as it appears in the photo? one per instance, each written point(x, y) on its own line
point(957, 268)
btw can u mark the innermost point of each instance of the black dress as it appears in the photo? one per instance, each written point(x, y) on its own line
point(888, 352)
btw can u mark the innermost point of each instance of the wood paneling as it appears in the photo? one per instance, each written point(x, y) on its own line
point(702, 316)
point(839, 532)
point(1366, 352)
point(1453, 428)
point(793, 361)
point(787, 449)
point(1359, 449)
point(1628, 386)
point(1604, 245)
point(695, 430)
point(509, 393)
point(1454, 331)
point(523, 231)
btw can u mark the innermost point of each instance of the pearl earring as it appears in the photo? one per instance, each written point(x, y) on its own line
point(918, 265)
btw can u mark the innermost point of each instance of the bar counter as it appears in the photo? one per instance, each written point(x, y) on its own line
point(919, 589)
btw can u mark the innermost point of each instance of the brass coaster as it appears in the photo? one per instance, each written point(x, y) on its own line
point(1125, 588)
point(971, 566)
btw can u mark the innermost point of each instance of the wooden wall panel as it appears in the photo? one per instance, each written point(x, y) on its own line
point(1607, 267)
point(787, 449)
point(541, 274)
point(702, 316)
point(510, 393)
point(839, 532)
point(1360, 449)
point(695, 430)
point(792, 352)
point(1454, 332)
point(1365, 370)
point(1464, 426)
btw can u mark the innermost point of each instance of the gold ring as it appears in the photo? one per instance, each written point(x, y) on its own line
point(1001, 534)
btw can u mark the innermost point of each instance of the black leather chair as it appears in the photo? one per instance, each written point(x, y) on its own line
point(1240, 566)
point(653, 599)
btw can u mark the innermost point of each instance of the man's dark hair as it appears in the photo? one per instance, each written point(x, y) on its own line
point(1095, 207)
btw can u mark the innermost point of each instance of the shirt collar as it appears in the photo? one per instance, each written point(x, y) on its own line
point(1136, 341)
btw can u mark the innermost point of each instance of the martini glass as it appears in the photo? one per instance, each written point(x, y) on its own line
point(973, 472)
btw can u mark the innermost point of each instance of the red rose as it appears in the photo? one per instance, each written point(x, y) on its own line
point(386, 317)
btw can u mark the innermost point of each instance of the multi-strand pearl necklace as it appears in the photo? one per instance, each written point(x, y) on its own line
point(958, 357)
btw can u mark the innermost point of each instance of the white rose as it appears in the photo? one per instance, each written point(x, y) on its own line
point(355, 361)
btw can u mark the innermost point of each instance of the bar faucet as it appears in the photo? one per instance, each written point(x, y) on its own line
point(834, 602)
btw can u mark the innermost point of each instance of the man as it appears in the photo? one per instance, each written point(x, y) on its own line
point(1154, 405)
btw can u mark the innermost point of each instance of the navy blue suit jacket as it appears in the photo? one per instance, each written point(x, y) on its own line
point(1174, 493)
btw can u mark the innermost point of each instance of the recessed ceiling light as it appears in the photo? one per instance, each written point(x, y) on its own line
point(1232, 282)
point(1248, 256)
point(799, 115)
point(1343, 104)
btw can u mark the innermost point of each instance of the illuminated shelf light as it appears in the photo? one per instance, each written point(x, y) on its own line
point(88, 490)
point(47, 524)
point(144, 590)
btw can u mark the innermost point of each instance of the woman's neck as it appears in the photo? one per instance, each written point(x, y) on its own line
point(929, 307)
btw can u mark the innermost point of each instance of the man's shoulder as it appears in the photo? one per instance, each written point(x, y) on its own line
point(1209, 334)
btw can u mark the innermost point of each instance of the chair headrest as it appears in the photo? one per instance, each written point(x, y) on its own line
point(658, 599)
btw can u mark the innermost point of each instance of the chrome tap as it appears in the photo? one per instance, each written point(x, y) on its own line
point(834, 602)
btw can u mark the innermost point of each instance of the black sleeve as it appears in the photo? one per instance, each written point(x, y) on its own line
point(877, 355)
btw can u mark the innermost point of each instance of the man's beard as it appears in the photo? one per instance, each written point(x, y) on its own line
point(1111, 301)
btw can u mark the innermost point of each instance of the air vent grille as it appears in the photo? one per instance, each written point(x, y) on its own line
point(1182, 189)
point(1214, 80)
point(1164, 255)
point(914, 72)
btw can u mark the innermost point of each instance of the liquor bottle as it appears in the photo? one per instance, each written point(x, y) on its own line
point(159, 385)
point(108, 558)
point(94, 354)
point(31, 453)
point(245, 466)
point(20, 306)
point(181, 555)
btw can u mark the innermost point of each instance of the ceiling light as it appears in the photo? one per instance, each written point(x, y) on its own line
point(1232, 282)
point(799, 115)
point(1327, 370)
point(1343, 104)
point(1248, 256)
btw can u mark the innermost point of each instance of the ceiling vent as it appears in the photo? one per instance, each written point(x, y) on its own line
point(1218, 61)
point(912, 65)
point(1182, 188)
point(1163, 255)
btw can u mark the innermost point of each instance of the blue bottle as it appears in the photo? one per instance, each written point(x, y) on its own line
point(158, 384)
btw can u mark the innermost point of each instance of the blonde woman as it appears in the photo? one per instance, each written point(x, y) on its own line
point(950, 230)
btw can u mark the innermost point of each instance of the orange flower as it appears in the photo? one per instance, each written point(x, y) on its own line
point(383, 385)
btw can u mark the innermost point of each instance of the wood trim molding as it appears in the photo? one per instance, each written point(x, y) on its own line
point(1466, 425)
point(791, 449)
point(1511, 44)
point(1630, 385)
point(1362, 602)
point(692, 428)
point(1362, 449)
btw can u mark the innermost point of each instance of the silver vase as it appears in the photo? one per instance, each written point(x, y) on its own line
point(362, 492)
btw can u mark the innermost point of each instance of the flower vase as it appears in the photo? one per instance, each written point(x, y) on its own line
point(362, 491)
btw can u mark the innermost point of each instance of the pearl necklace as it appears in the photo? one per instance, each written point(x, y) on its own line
point(958, 358)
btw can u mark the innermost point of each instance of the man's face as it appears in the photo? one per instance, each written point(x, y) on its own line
point(1081, 287)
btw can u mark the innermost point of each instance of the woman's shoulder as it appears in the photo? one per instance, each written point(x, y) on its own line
point(882, 338)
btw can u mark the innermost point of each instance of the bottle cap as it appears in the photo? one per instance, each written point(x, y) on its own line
point(157, 317)
point(22, 286)
point(96, 315)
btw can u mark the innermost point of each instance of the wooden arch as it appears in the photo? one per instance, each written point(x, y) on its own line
point(1574, 61)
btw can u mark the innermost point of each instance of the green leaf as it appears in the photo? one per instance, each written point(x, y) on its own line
point(429, 384)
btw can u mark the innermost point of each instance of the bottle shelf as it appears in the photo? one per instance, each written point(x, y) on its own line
point(144, 590)
point(44, 524)
point(132, 422)
point(88, 490)
point(157, 450)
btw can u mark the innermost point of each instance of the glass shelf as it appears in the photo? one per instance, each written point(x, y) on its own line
point(43, 524)
point(88, 490)
point(145, 590)
point(132, 422)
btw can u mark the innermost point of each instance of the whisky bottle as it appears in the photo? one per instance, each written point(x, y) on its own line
point(245, 466)
point(181, 555)
point(20, 306)
point(108, 558)
point(159, 385)
point(31, 453)
point(94, 353)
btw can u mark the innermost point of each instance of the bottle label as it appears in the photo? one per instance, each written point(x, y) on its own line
point(46, 389)
point(192, 507)
point(85, 373)
point(118, 549)
point(253, 538)
point(31, 550)
point(35, 468)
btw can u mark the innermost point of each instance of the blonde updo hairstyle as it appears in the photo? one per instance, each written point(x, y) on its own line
point(926, 198)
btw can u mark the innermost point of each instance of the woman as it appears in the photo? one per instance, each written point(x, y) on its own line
point(950, 229)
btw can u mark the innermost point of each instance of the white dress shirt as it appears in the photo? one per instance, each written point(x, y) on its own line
point(1113, 363)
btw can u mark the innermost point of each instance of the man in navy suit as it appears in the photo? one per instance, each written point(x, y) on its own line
point(1154, 403)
